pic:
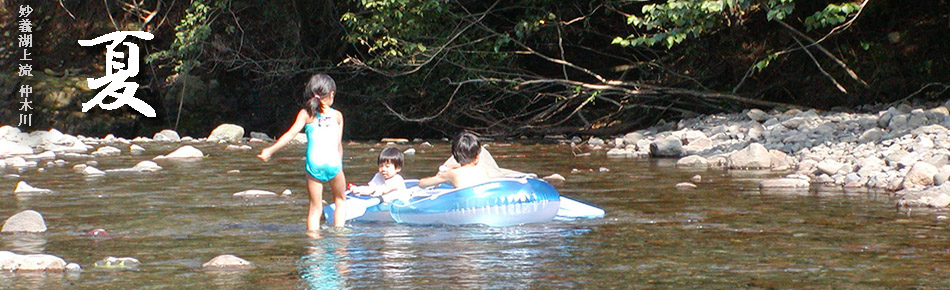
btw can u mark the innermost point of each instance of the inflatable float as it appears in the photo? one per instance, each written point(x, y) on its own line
point(499, 202)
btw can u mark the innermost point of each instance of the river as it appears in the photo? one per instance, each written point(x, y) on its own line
point(725, 233)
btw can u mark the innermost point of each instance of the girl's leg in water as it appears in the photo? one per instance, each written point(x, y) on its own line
point(338, 187)
point(315, 190)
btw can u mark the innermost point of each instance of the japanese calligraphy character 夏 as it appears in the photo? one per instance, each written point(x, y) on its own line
point(116, 76)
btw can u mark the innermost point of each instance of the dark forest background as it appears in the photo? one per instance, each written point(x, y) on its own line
point(430, 68)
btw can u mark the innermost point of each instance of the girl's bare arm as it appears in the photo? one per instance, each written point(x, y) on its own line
point(299, 122)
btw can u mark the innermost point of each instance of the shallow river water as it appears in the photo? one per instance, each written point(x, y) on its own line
point(724, 234)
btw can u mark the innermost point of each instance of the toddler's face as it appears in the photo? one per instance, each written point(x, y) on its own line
point(388, 170)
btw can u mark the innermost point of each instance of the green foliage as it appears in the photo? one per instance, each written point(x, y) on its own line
point(833, 14)
point(673, 22)
point(388, 28)
point(762, 64)
point(191, 34)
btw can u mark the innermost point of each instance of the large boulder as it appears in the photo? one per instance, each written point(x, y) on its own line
point(28, 221)
point(670, 147)
point(920, 175)
point(754, 156)
point(227, 132)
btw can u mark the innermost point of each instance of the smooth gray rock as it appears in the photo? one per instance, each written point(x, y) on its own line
point(919, 175)
point(758, 115)
point(167, 135)
point(227, 262)
point(185, 152)
point(227, 132)
point(666, 148)
point(692, 161)
point(753, 156)
point(10, 261)
point(28, 221)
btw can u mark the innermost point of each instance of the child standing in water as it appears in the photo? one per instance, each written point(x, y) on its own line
point(324, 129)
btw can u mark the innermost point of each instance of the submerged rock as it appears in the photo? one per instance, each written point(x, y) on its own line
point(254, 193)
point(23, 187)
point(118, 263)
point(185, 152)
point(227, 262)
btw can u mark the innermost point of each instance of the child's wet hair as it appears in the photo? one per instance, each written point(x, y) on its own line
point(318, 87)
point(390, 155)
point(465, 148)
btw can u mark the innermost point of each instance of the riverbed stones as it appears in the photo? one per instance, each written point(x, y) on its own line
point(92, 171)
point(670, 147)
point(554, 178)
point(107, 151)
point(28, 221)
point(692, 161)
point(685, 185)
point(118, 263)
point(185, 152)
point(920, 175)
point(8, 148)
point(13, 262)
point(146, 166)
point(136, 149)
point(758, 115)
point(754, 156)
point(227, 133)
point(254, 193)
point(167, 135)
point(22, 187)
point(227, 262)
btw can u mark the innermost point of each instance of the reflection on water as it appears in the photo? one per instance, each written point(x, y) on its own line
point(24, 243)
point(326, 264)
point(726, 233)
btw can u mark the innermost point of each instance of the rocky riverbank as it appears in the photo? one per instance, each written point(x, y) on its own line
point(903, 149)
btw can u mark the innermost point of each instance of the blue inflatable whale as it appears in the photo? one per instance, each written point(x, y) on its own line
point(499, 202)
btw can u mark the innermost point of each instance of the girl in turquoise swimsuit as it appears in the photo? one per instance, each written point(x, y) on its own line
point(324, 128)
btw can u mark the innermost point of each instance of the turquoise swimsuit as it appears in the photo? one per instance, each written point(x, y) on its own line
point(323, 157)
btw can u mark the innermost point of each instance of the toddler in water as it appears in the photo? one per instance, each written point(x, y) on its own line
point(324, 129)
point(465, 150)
point(387, 179)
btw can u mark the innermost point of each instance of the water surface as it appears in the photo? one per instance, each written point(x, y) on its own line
point(724, 234)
